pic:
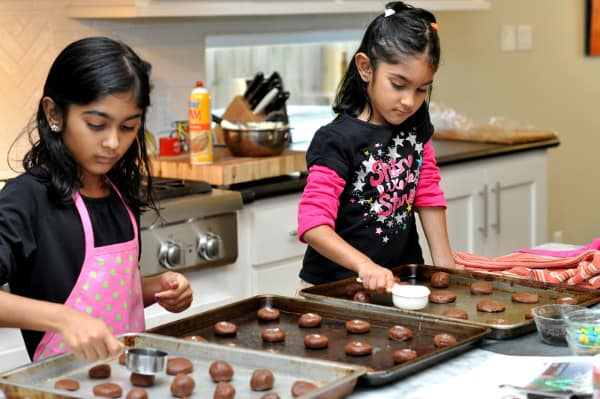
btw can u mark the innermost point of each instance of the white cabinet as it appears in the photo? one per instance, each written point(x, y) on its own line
point(12, 350)
point(268, 245)
point(213, 8)
point(495, 205)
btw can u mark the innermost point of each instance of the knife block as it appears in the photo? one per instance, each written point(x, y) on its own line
point(237, 111)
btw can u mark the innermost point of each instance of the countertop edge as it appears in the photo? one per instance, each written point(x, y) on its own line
point(271, 187)
point(494, 150)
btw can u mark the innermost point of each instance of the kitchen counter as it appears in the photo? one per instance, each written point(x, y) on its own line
point(446, 152)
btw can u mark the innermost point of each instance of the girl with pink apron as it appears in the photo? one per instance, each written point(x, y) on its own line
point(108, 286)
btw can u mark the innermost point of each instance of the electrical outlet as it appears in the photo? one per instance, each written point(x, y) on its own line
point(524, 37)
point(508, 38)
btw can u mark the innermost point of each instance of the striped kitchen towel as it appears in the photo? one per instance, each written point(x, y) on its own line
point(595, 244)
point(581, 270)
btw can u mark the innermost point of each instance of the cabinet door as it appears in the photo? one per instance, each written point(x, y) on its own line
point(495, 205)
point(279, 278)
point(12, 350)
point(270, 252)
point(465, 215)
point(518, 202)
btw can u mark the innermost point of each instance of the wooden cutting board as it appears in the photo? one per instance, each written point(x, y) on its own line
point(227, 169)
point(495, 135)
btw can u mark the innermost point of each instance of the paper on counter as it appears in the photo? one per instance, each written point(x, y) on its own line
point(476, 374)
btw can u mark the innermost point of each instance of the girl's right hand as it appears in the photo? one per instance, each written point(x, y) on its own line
point(375, 277)
point(87, 337)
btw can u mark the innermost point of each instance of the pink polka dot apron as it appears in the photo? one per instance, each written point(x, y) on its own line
point(108, 286)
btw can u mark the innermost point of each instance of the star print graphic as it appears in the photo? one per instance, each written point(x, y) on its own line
point(387, 177)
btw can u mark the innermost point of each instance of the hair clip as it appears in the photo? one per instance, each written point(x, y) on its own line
point(434, 26)
point(388, 12)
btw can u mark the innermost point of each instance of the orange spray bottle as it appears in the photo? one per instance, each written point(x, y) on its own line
point(201, 148)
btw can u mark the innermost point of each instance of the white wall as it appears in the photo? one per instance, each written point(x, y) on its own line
point(554, 86)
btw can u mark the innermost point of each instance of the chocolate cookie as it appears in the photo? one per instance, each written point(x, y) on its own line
point(481, 288)
point(183, 385)
point(403, 355)
point(444, 339)
point(195, 338)
point(273, 335)
point(67, 384)
point(267, 314)
point(262, 380)
point(316, 341)
point(400, 333)
point(225, 328)
point(224, 390)
point(568, 300)
point(179, 365)
point(357, 326)
point(442, 296)
point(308, 320)
point(141, 380)
point(137, 393)
point(440, 280)
point(220, 370)
point(490, 306)
point(358, 348)
point(300, 388)
point(525, 297)
point(528, 314)
point(497, 321)
point(108, 390)
point(270, 395)
point(99, 371)
point(456, 313)
point(362, 296)
point(353, 288)
point(122, 359)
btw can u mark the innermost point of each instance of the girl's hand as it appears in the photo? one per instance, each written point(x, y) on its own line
point(176, 295)
point(375, 277)
point(87, 337)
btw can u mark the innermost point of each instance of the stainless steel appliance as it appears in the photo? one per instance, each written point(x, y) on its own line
point(196, 228)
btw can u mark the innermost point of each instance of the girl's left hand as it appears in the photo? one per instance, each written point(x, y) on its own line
point(176, 295)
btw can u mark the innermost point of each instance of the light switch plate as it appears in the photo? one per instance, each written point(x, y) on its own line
point(508, 38)
point(524, 37)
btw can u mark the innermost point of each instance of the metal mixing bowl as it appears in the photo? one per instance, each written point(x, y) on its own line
point(256, 139)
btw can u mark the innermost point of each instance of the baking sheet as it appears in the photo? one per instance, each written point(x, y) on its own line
point(37, 380)
point(338, 292)
point(380, 365)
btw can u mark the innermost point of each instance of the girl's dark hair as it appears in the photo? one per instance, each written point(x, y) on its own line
point(84, 72)
point(406, 33)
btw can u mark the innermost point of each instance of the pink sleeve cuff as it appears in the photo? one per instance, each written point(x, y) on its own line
point(320, 200)
point(429, 192)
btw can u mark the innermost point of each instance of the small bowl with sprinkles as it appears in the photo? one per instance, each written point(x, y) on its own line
point(583, 331)
point(550, 322)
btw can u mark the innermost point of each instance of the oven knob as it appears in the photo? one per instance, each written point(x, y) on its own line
point(170, 254)
point(210, 246)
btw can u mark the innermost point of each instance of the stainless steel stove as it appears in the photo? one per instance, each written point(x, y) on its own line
point(197, 227)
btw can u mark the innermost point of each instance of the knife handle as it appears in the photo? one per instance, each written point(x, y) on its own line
point(279, 102)
point(256, 81)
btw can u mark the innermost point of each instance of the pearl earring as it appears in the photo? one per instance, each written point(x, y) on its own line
point(54, 127)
